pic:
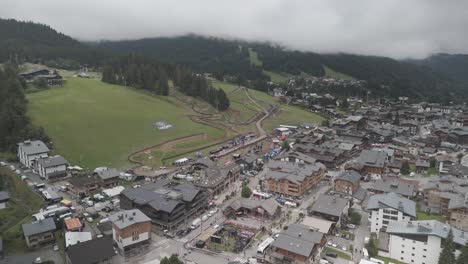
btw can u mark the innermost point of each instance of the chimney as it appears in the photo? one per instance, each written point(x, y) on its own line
point(300, 234)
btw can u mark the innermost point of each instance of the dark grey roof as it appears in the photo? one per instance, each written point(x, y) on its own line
point(269, 205)
point(33, 147)
point(1, 244)
point(39, 227)
point(351, 176)
point(161, 196)
point(52, 161)
point(292, 171)
point(427, 228)
point(394, 201)
point(373, 158)
point(127, 218)
point(108, 173)
point(4, 196)
point(298, 239)
point(360, 194)
point(422, 163)
point(91, 251)
point(394, 185)
point(330, 205)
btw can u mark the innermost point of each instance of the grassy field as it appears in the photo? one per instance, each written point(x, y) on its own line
point(97, 124)
point(23, 202)
point(389, 260)
point(340, 253)
point(420, 215)
point(291, 115)
point(254, 58)
point(276, 77)
point(334, 74)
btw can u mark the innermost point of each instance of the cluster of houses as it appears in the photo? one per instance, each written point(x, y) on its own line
point(392, 160)
point(51, 78)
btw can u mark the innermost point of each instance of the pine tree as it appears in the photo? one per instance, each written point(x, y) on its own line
point(463, 257)
point(405, 169)
point(447, 256)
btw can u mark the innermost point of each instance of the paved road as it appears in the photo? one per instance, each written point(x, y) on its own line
point(360, 233)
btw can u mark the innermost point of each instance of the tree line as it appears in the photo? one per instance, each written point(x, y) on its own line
point(15, 126)
point(152, 75)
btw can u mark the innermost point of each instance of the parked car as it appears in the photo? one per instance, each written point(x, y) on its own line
point(2, 163)
point(204, 218)
point(90, 219)
point(351, 226)
point(331, 254)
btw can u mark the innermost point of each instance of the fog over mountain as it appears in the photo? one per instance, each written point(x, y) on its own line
point(395, 28)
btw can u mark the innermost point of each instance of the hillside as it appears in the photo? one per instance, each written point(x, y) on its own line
point(32, 42)
point(96, 124)
point(259, 62)
point(453, 65)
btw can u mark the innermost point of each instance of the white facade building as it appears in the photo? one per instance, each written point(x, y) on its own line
point(130, 229)
point(384, 208)
point(29, 151)
point(420, 242)
point(51, 168)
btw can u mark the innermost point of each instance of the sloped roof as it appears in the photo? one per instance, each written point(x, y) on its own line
point(127, 218)
point(350, 175)
point(39, 227)
point(298, 239)
point(394, 201)
point(33, 147)
point(427, 228)
point(92, 251)
point(52, 161)
point(330, 205)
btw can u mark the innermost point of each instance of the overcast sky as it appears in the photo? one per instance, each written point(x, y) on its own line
point(395, 28)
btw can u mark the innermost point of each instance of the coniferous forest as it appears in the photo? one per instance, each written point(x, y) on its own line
point(151, 75)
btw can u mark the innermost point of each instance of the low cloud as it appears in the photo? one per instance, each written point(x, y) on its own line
point(395, 28)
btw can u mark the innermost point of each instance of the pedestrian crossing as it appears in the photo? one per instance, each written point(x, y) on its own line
point(241, 260)
point(182, 240)
point(161, 242)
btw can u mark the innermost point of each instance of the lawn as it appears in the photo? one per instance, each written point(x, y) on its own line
point(340, 253)
point(334, 74)
point(276, 77)
point(254, 58)
point(420, 215)
point(23, 203)
point(97, 124)
point(291, 115)
point(389, 260)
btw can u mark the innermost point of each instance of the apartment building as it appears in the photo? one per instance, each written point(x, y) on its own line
point(167, 204)
point(39, 233)
point(384, 208)
point(292, 179)
point(420, 242)
point(130, 229)
point(51, 168)
point(31, 150)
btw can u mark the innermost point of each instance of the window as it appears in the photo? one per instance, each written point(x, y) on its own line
point(425, 249)
point(424, 256)
point(402, 252)
point(135, 237)
point(413, 248)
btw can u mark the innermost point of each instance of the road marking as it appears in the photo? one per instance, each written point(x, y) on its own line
point(241, 260)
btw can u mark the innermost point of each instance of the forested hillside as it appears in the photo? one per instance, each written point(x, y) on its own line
point(438, 78)
point(15, 126)
point(151, 75)
point(453, 65)
point(32, 42)
point(217, 56)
